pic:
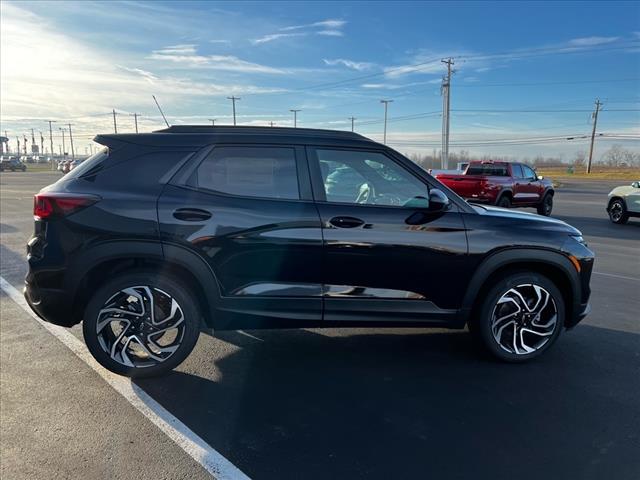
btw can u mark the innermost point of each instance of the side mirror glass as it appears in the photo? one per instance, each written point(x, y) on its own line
point(438, 201)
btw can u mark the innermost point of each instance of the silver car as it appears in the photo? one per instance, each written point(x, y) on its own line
point(624, 202)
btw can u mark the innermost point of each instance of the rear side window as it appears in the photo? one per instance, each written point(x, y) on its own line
point(487, 169)
point(91, 162)
point(268, 172)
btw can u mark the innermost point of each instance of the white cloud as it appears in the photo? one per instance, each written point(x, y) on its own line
point(188, 56)
point(274, 36)
point(326, 28)
point(331, 33)
point(591, 41)
point(348, 63)
point(330, 24)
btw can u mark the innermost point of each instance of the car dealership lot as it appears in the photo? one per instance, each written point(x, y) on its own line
point(357, 403)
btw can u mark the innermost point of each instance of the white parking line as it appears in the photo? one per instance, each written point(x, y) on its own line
point(210, 459)
point(623, 277)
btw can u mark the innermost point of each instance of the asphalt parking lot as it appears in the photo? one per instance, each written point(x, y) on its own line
point(356, 403)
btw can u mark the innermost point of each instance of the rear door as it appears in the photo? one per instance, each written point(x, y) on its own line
point(247, 210)
point(386, 257)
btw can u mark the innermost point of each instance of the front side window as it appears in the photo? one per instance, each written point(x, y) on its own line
point(368, 178)
point(268, 172)
point(516, 170)
point(528, 172)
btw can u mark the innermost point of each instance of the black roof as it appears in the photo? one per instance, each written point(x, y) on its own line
point(183, 135)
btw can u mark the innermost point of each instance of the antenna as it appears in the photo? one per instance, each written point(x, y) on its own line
point(158, 105)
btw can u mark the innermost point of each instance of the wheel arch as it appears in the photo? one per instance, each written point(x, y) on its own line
point(553, 265)
point(616, 197)
point(112, 258)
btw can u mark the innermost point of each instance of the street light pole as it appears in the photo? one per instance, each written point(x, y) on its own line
point(295, 117)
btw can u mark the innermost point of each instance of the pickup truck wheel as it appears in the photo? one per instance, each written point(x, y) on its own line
point(520, 317)
point(504, 202)
point(141, 324)
point(618, 211)
point(546, 205)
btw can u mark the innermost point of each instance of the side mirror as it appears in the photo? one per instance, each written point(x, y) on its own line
point(635, 184)
point(438, 201)
point(540, 177)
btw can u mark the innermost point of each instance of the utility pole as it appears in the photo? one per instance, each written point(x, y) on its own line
point(386, 105)
point(64, 145)
point(233, 100)
point(135, 119)
point(446, 104)
point(33, 140)
point(295, 117)
point(7, 137)
point(115, 126)
point(24, 147)
point(213, 122)
point(41, 142)
point(18, 142)
point(593, 132)
point(51, 143)
point(271, 124)
point(352, 120)
point(73, 152)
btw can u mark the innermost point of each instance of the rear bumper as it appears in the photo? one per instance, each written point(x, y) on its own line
point(50, 305)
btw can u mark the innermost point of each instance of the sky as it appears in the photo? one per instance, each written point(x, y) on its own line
point(526, 74)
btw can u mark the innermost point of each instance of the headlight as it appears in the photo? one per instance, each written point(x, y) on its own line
point(579, 239)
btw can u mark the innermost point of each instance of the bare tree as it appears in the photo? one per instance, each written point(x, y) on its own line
point(579, 158)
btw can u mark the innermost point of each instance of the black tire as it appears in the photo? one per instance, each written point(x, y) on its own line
point(618, 211)
point(546, 206)
point(482, 325)
point(504, 202)
point(168, 288)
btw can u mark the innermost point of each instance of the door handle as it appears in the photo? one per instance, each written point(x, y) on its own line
point(191, 214)
point(346, 222)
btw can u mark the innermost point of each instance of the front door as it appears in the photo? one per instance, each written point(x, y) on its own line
point(386, 257)
point(248, 212)
point(531, 188)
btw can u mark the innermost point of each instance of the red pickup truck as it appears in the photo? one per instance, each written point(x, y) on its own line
point(503, 184)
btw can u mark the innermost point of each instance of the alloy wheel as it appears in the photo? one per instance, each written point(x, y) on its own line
point(616, 211)
point(524, 319)
point(140, 326)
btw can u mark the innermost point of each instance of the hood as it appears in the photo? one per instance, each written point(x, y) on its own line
point(536, 221)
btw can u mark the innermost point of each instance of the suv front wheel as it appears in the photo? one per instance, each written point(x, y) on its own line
point(141, 324)
point(520, 317)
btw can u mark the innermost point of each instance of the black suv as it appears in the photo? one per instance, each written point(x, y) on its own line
point(164, 234)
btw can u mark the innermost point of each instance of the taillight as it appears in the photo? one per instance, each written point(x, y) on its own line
point(47, 205)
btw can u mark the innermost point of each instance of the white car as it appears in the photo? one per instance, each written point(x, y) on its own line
point(624, 202)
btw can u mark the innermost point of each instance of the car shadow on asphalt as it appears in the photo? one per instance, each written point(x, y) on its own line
point(299, 404)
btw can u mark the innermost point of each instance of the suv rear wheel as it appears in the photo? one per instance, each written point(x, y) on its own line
point(520, 318)
point(546, 206)
point(141, 324)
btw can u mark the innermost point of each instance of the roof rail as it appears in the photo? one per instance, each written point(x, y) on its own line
point(227, 129)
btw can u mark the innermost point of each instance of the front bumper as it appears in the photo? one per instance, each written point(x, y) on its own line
point(578, 315)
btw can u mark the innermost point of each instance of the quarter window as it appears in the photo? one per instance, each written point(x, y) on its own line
point(250, 172)
point(367, 178)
